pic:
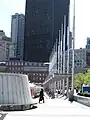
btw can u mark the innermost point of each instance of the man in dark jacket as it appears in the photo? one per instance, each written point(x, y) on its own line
point(41, 96)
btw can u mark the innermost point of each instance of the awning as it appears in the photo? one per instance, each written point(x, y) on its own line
point(56, 77)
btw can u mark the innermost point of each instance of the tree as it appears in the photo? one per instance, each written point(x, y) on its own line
point(82, 78)
point(79, 80)
point(87, 77)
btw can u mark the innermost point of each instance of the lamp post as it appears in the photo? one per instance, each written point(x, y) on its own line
point(68, 48)
point(73, 47)
point(64, 37)
point(71, 94)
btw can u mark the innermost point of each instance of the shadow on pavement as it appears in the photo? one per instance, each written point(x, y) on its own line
point(33, 107)
point(2, 116)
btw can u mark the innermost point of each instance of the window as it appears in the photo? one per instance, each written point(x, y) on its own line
point(9, 63)
point(30, 64)
point(22, 68)
point(18, 68)
point(26, 63)
point(21, 63)
point(35, 64)
point(40, 74)
point(39, 78)
point(77, 63)
point(33, 73)
point(12, 68)
point(15, 63)
point(39, 64)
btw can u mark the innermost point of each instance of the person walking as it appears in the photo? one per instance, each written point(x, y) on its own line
point(41, 97)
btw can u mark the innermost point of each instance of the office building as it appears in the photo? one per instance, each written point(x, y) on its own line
point(37, 72)
point(4, 46)
point(88, 52)
point(17, 33)
point(43, 19)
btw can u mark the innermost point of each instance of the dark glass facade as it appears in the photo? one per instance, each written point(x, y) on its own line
point(43, 19)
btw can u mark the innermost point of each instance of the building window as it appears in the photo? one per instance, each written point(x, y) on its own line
point(19, 63)
point(30, 64)
point(39, 78)
point(35, 64)
point(33, 73)
point(9, 63)
point(26, 63)
point(22, 63)
point(77, 63)
point(39, 64)
point(18, 68)
point(40, 74)
point(12, 63)
point(22, 68)
point(12, 68)
point(15, 63)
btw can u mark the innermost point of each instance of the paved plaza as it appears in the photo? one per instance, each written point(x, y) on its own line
point(52, 109)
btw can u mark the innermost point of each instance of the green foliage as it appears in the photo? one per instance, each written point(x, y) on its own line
point(82, 78)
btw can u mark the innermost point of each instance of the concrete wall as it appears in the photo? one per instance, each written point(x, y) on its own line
point(82, 100)
point(14, 89)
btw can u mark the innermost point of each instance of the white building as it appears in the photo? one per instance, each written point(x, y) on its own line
point(4, 46)
point(12, 50)
point(80, 60)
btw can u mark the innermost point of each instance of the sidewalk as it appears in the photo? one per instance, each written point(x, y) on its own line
point(53, 109)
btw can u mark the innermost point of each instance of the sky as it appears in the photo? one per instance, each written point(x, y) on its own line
point(82, 25)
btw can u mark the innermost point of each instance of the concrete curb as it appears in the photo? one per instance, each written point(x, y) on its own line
point(17, 107)
point(82, 100)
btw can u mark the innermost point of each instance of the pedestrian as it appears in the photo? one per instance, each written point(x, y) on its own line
point(41, 97)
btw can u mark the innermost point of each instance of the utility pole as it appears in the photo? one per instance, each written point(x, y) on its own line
point(61, 58)
point(68, 47)
point(73, 47)
point(64, 38)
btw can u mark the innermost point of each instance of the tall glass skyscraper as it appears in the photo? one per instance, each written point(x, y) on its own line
point(43, 19)
point(17, 33)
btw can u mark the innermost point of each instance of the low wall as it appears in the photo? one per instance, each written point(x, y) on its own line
point(83, 100)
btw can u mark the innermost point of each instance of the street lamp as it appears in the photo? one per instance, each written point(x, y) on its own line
point(73, 47)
